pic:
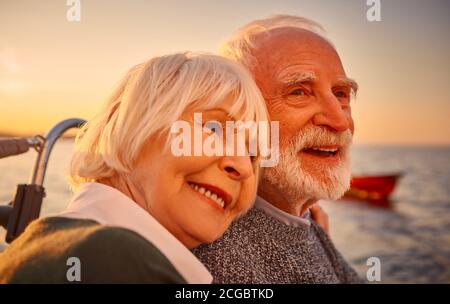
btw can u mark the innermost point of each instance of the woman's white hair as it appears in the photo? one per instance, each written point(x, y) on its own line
point(240, 45)
point(151, 97)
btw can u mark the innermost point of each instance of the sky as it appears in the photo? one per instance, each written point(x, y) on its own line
point(52, 69)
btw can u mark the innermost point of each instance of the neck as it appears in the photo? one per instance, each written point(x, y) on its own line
point(280, 201)
point(129, 189)
point(126, 188)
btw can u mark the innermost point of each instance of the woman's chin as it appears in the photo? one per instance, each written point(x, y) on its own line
point(211, 237)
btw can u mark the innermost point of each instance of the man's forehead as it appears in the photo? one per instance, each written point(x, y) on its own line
point(286, 51)
point(287, 37)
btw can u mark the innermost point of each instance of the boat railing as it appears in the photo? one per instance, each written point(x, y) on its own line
point(27, 202)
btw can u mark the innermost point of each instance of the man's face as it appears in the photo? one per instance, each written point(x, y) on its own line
point(307, 91)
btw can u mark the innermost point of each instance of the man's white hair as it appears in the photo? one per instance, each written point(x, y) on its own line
point(289, 176)
point(151, 97)
point(239, 47)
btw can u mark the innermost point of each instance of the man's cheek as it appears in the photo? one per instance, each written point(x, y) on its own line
point(351, 122)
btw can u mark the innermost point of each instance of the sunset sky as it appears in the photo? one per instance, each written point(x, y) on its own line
point(51, 69)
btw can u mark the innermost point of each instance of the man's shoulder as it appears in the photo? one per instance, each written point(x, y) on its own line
point(248, 231)
point(250, 251)
point(248, 225)
point(238, 248)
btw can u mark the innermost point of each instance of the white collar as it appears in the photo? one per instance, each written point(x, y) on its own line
point(284, 217)
point(109, 206)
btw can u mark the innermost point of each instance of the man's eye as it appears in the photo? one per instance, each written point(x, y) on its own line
point(298, 92)
point(341, 94)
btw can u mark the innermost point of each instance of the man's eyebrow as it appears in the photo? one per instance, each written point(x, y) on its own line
point(347, 82)
point(298, 77)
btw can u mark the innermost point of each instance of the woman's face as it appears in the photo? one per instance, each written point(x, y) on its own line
point(194, 197)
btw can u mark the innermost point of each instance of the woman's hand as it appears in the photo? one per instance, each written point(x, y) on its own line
point(320, 216)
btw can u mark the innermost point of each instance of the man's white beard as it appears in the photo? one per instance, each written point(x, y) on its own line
point(296, 184)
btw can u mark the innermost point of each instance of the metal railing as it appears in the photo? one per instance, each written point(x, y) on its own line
point(26, 206)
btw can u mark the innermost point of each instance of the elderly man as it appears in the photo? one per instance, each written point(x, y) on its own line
point(306, 89)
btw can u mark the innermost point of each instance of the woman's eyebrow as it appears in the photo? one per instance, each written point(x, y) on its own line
point(221, 110)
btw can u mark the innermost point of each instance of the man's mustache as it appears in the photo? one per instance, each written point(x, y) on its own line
point(313, 136)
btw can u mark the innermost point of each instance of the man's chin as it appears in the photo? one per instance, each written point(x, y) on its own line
point(298, 179)
point(327, 184)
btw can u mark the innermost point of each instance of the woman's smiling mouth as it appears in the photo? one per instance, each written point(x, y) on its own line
point(217, 195)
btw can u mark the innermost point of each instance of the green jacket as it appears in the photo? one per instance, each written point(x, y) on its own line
point(105, 254)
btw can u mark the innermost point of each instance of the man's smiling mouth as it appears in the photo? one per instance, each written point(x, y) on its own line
point(322, 151)
point(218, 196)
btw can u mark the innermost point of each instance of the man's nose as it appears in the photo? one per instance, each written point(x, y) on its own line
point(237, 167)
point(332, 115)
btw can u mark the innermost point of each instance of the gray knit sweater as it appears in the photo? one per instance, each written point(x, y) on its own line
point(259, 249)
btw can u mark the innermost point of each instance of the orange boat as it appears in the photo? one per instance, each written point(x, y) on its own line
point(374, 189)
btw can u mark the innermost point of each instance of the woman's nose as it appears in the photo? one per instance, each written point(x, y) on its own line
point(237, 167)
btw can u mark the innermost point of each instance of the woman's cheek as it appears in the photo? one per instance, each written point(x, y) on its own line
point(248, 193)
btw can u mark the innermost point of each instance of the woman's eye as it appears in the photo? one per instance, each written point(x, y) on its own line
point(213, 130)
point(298, 92)
point(210, 129)
point(213, 127)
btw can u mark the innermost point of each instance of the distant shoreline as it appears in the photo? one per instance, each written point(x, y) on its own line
point(64, 137)
point(407, 145)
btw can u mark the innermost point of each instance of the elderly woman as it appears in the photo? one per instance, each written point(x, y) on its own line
point(138, 208)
